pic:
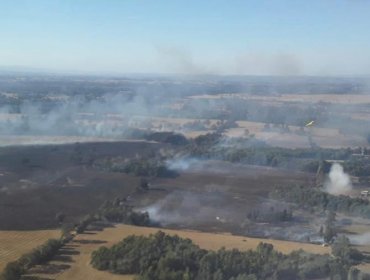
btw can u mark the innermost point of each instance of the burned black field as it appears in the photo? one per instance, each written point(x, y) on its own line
point(217, 196)
point(38, 182)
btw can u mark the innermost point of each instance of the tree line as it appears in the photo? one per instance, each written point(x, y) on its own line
point(111, 211)
point(42, 254)
point(315, 199)
point(164, 257)
point(253, 151)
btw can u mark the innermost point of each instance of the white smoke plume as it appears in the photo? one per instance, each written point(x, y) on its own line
point(194, 165)
point(360, 239)
point(183, 164)
point(338, 182)
point(186, 208)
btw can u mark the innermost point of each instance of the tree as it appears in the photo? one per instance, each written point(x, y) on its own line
point(139, 219)
point(321, 231)
point(143, 185)
point(354, 274)
point(218, 275)
point(84, 223)
point(342, 250)
point(12, 271)
point(66, 230)
point(330, 231)
point(341, 247)
point(329, 234)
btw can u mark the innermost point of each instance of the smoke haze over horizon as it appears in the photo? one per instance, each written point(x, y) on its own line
point(187, 37)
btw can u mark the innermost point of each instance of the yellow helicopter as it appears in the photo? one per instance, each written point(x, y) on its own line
point(309, 124)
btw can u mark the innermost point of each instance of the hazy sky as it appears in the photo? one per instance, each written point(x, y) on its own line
point(278, 37)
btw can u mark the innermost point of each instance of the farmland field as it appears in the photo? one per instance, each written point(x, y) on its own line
point(84, 244)
point(13, 244)
point(99, 158)
point(304, 98)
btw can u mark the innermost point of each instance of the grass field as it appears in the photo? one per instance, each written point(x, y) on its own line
point(324, 137)
point(83, 245)
point(304, 98)
point(13, 244)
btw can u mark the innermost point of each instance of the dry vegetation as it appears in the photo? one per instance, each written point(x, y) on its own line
point(283, 98)
point(324, 137)
point(13, 244)
point(84, 244)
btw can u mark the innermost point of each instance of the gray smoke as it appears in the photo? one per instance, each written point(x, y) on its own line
point(108, 116)
point(184, 208)
point(269, 64)
point(180, 61)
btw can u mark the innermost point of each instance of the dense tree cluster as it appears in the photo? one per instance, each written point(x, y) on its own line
point(119, 212)
point(251, 151)
point(255, 152)
point(342, 249)
point(358, 167)
point(84, 223)
point(198, 125)
point(115, 211)
point(314, 198)
point(202, 145)
point(313, 166)
point(164, 257)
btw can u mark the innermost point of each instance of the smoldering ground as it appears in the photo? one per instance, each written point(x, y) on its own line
point(183, 208)
point(214, 165)
point(196, 165)
point(219, 211)
point(183, 164)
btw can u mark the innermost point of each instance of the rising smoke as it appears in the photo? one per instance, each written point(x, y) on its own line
point(338, 181)
point(185, 208)
point(184, 164)
point(269, 64)
point(360, 239)
point(108, 116)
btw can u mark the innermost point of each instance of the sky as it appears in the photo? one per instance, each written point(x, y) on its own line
point(244, 37)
